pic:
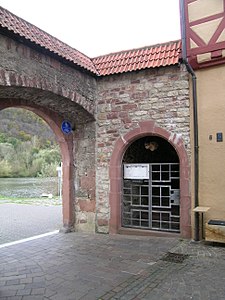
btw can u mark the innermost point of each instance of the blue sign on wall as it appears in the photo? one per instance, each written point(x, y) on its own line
point(66, 127)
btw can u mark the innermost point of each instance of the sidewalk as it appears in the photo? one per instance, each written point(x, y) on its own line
point(78, 266)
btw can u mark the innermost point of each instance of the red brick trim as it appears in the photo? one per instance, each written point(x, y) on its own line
point(115, 173)
point(66, 146)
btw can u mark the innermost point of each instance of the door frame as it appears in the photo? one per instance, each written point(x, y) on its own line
point(148, 128)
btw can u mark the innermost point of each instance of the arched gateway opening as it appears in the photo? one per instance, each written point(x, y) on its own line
point(149, 176)
point(66, 146)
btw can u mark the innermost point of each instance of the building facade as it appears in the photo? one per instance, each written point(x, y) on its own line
point(127, 162)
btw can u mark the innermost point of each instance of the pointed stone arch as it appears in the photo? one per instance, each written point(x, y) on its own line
point(115, 174)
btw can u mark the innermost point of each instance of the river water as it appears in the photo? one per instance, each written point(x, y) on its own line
point(28, 187)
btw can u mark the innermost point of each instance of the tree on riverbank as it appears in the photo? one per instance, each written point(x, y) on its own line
point(27, 145)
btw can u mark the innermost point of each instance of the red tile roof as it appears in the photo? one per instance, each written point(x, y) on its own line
point(43, 39)
point(144, 58)
point(126, 61)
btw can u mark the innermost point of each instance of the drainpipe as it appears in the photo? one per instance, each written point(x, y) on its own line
point(195, 117)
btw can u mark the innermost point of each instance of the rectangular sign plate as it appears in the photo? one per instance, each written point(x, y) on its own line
point(136, 171)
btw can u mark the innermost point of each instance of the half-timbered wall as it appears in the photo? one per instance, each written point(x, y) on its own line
point(205, 32)
point(205, 37)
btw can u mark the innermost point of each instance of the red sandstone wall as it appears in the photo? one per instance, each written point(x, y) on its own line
point(160, 95)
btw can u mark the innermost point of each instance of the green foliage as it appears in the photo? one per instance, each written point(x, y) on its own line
point(4, 138)
point(23, 153)
point(46, 161)
point(24, 136)
point(7, 151)
point(22, 125)
point(50, 155)
point(5, 169)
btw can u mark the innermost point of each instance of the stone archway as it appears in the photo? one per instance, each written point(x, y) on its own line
point(149, 128)
point(66, 146)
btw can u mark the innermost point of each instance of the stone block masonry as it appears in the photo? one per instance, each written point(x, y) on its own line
point(160, 95)
point(55, 89)
point(48, 77)
point(84, 173)
point(102, 111)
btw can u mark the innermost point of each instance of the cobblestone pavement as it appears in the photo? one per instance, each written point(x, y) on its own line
point(19, 221)
point(78, 266)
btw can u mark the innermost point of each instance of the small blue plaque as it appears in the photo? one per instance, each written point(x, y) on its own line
point(219, 137)
point(66, 127)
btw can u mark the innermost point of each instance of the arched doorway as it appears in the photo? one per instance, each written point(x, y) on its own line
point(151, 186)
point(144, 130)
point(65, 142)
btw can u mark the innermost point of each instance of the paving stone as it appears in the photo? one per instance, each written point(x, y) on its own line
point(7, 293)
point(40, 291)
point(7, 278)
point(49, 293)
point(15, 298)
point(33, 297)
point(23, 292)
point(26, 280)
point(12, 287)
point(35, 285)
point(11, 282)
point(72, 266)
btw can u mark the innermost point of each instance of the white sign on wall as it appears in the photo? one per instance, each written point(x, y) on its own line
point(136, 171)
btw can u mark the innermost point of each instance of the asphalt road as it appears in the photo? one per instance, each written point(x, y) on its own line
point(19, 221)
